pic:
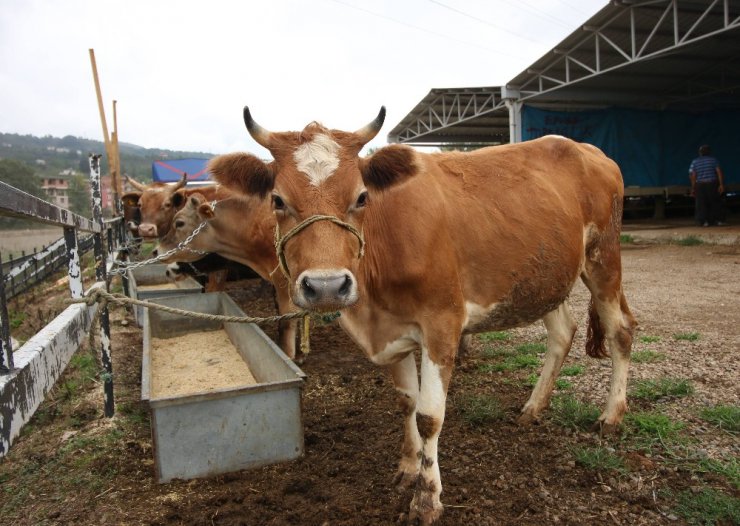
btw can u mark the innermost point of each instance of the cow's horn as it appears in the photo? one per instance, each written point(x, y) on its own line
point(371, 130)
point(182, 182)
point(136, 184)
point(258, 133)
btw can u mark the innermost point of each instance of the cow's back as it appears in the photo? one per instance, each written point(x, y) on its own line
point(509, 223)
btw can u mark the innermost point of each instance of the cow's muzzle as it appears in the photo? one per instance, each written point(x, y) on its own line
point(148, 230)
point(325, 290)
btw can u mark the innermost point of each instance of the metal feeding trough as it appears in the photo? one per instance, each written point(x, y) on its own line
point(207, 427)
point(150, 281)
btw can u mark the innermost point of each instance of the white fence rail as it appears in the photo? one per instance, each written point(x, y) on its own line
point(28, 374)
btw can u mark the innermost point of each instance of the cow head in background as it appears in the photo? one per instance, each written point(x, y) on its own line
point(318, 183)
point(157, 203)
point(193, 212)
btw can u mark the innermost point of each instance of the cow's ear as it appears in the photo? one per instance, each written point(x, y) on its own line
point(178, 199)
point(242, 172)
point(205, 211)
point(389, 166)
point(131, 198)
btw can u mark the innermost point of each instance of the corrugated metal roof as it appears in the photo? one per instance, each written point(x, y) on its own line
point(656, 54)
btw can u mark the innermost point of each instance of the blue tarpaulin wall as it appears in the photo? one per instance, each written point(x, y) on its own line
point(171, 171)
point(653, 148)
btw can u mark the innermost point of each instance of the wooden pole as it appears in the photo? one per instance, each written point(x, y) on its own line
point(118, 177)
point(101, 110)
point(106, 137)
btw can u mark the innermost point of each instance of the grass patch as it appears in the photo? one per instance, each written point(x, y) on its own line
point(649, 429)
point(569, 412)
point(662, 388)
point(16, 318)
point(647, 356)
point(626, 239)
point(572, 370)
point(512, 363)
point(145, 252)
point(478, 410)
point(728, 468)
point(598, 459)
point(689, 241)
point(494, 336)
point(531, 348)
point(726, 417)
point(560, 384)
point(495, 352)
point(708, 507)
point(649, 339)
point(687, 336)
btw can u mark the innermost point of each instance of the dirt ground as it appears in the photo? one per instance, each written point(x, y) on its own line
point(72, 466)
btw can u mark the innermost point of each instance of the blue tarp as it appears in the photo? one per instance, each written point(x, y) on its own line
point(171, 171)
point(653, 148)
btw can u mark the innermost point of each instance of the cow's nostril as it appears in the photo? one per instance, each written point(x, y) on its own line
point(308, 290)
point(155, 252)
point(344, 290)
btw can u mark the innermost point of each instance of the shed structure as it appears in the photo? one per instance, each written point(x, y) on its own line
point(647, 81)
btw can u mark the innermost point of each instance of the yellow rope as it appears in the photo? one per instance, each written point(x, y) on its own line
point(305, 336)
point(98, 295)
point(280, 241)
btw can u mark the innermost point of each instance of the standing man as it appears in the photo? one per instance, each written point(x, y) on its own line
point(707, 186)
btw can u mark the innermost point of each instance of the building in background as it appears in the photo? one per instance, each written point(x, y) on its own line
point(57, 188)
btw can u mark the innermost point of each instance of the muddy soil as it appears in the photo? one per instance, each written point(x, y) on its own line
point(493, 473)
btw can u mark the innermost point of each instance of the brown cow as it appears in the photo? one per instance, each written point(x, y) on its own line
point(418, 249)
point(240, 228)
point(158, 203)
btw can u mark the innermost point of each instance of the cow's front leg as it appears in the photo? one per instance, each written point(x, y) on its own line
point(436, 370)
point(406, 382)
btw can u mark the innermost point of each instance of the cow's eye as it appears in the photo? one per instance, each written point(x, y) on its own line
point(179, 223)
point(277, 202)
point(361, 200)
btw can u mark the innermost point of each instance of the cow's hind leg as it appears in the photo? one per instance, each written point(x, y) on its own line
point(611, 322)
point(560, 330)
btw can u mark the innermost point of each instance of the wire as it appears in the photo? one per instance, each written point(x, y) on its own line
point(418, 28)
point(537, 12)
point(483, 21)
point(574, 7)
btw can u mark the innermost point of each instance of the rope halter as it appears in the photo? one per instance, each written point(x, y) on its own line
point(280, 241)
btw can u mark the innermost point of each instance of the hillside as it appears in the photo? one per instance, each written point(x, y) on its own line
point(49, 155)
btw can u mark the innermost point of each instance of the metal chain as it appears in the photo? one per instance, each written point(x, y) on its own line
point(181, 247)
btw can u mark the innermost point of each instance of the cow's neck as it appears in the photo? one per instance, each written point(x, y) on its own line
point(243, 231)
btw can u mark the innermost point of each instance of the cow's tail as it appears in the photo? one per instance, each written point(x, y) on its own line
point(595, 346)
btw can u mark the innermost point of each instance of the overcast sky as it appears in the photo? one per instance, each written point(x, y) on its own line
point(182, 71)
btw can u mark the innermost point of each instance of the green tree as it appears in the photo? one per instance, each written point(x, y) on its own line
point(21, 176)
point(79, 195)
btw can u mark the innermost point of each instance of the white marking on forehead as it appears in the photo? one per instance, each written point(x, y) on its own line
point(317, 159)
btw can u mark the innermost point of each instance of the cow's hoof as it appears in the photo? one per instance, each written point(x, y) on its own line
point(426, 515)
point(405, 481)
point(526, 419)
point(605, 429)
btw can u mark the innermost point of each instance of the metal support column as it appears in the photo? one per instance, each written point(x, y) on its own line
point(514, 105)
point(101, 274)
